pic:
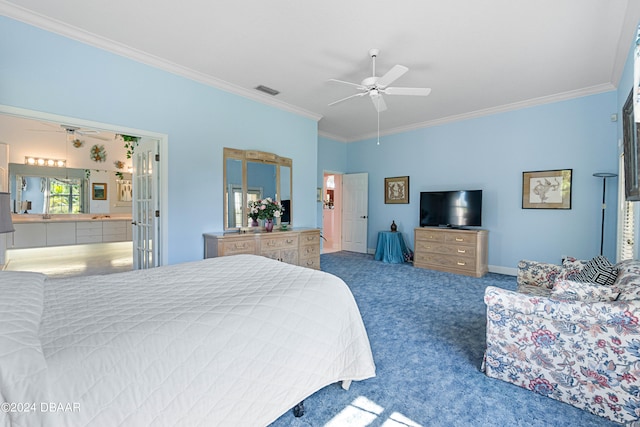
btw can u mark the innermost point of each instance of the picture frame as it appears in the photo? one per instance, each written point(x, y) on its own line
point(99, 191)
point(549, 189)
point(396, 190)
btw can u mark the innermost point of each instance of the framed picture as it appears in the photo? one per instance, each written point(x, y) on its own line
point(396, 190)
point(546, 189)
point(99, 191)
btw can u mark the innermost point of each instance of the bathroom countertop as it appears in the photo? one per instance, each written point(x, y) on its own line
point(31, 218)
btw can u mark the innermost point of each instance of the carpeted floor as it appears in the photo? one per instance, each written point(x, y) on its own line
point(427, 333)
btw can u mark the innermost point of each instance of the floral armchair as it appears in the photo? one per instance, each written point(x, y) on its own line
point(574, 342)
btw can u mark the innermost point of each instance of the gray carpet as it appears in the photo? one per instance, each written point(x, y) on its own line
point(427, 333)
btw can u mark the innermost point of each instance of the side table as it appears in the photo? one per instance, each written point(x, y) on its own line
point(391, 247)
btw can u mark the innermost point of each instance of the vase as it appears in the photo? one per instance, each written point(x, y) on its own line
point(268, 225)
point(254, 222)
point(394, 227)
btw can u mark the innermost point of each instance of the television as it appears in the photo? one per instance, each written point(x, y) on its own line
point(455, 209)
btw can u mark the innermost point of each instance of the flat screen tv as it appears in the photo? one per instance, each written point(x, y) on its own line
point(456, 209)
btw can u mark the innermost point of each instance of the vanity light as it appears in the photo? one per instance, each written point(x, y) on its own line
point(39, 161)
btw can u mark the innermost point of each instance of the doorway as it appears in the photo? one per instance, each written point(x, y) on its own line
point(161, 255)
point(332, 212)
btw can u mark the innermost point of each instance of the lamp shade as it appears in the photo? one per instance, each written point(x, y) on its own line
point(6, 225)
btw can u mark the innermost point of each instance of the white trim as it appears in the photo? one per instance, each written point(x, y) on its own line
point(509, 271)
point(49, 24)
point(164, 157)
point(593, 90)
point(333, 137)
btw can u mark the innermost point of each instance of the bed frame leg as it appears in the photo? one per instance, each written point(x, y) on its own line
point(298, 410)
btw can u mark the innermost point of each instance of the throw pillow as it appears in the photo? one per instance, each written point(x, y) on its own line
point(599, 270)
point(571, 267)
point(586, 292)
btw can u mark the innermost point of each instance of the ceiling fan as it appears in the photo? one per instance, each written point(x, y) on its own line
point(375, 87)
point(73, 131)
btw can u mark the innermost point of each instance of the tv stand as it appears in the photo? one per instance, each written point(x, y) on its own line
point(451, 250)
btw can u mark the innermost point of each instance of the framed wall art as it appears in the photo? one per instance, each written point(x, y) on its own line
point(549, 189)
point(99, 191)
point(396, 190)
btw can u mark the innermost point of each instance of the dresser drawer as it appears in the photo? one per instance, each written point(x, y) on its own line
point(429, 235)
point(278, 242)
point(446, 249)
point(461, 238)
point(310, 238)
point(310, 263)
point(238, 246)
point(309, 251)
point(445, 261)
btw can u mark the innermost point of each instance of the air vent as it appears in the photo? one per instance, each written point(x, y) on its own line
point(268, 90)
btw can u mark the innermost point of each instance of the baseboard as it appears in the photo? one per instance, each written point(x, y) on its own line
point(503, 270)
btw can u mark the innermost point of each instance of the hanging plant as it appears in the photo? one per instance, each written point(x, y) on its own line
point(130, 143)
point(98, 153)
point(87, 173)
point(77, 143)
point(119, 175)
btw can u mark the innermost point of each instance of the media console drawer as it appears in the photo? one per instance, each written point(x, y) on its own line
point(451, 250)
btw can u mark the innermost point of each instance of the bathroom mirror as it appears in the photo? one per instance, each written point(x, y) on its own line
point(253, 175)
point(51, 190)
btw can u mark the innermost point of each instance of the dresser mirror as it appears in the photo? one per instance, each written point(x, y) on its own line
point(253, 175)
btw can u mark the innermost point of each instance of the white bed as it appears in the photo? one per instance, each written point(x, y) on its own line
point(230, 341)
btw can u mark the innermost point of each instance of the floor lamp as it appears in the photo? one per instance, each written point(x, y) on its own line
point(604, 176)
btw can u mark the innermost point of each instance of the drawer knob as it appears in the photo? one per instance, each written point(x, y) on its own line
point(462, 263)
point(459, 239)
point(462, 251)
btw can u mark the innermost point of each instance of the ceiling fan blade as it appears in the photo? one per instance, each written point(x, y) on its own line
point(348, 97)
point(378, 103)
point(392, 75)
point(417, 91)
point(359, 86)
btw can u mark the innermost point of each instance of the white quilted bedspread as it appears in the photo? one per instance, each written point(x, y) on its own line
point(231, 341)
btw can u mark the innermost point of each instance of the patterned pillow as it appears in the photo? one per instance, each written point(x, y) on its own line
point(599, 270)
point(587, 292)
point(571, 267)
point(628, 284)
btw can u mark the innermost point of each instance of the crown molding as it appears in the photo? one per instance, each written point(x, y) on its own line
point(564, 96)
point(49, 24)
point(336, 138)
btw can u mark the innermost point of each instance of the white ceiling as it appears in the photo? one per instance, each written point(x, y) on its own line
point(478, 56)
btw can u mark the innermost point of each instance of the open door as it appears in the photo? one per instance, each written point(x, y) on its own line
point(146, 204)
point(355, 212)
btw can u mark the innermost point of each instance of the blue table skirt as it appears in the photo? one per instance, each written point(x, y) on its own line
point(391, 247)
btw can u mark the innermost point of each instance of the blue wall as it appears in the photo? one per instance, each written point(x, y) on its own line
point(42, 71)
point(490, 153)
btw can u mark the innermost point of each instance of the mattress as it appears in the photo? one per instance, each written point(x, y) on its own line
point(230, 341)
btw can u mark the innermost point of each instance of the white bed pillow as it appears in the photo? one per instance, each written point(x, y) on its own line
point(23, 367)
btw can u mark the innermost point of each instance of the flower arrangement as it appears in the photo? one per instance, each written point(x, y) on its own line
point(265, 209)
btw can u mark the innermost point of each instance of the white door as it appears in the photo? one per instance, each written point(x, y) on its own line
point(146, 205)
point(355, 213)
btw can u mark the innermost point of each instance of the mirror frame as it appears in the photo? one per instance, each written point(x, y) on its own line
point(257, 157)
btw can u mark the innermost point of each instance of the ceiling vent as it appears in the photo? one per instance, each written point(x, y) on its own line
point(267, 90)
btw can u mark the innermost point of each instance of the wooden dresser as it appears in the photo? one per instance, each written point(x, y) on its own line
point(295, 246)
point(451, 250)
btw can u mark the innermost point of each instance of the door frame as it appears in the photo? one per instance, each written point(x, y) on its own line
point(163, 140)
